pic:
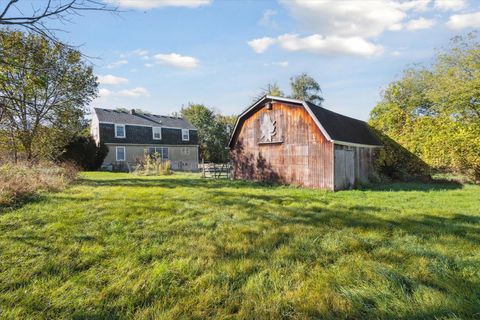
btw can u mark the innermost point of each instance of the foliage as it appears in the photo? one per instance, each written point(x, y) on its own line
point(304, 87)
point(119, 246)
point(153, 165)
point(271, 89)
point(84, 152)
point(434, 112)
point(21, 181)
point(213, 131)
point(44, 88)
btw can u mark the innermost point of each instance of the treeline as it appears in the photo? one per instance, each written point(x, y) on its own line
point(434, 113)
point(45, 87)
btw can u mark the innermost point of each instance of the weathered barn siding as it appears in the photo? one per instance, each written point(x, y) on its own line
point(298, 154)
point(353, 166)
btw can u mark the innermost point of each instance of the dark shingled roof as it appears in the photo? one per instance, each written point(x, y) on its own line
point(122, 117)
point(343, 128)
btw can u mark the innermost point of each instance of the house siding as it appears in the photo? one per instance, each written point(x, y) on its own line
point(183, 158)
point(143, 135)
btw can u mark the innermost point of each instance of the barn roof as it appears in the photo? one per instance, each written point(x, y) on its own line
point(133, 118)
point(335, 127)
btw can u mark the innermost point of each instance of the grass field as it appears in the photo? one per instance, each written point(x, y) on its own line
point(117, 246)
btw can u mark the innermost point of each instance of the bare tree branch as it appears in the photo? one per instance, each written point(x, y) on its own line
point(41, 11)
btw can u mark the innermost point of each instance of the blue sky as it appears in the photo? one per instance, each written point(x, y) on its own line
point(158, 55)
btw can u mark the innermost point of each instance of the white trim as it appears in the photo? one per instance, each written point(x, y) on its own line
point(124, 131)
point(351, 144)
point(124, 153)
point(142, 125)
point(153, 133)
point(188, 134)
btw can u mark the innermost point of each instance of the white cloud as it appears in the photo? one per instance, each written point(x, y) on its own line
point(319, 44)
point(135, 92)
point(148, 65)
point(140, 52)
point(395, 27)
point(261, 44)
point(329, 45)
point(420, 23)
point(281, 63)
point(462, 21)
point(447, 5)
point(347, 18)
point(150, 4)
point(267, 19)
point(117, 64)
point(104, 92)
point(176, 60)
point(111, 79)
point(415, 5)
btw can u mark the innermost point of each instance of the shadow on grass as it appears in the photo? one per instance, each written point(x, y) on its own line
point(226, 183)
point(435, 185)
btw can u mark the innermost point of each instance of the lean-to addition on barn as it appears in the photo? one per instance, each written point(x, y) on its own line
point(296, 142)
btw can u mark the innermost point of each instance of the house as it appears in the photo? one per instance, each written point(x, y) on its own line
point(296, 142)
point(128, 135)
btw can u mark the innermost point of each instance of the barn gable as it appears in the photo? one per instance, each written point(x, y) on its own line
point(337, 128)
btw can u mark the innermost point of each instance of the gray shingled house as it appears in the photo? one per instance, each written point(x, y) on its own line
point(128, 135)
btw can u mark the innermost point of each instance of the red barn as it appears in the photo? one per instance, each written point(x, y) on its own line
point(296, 142)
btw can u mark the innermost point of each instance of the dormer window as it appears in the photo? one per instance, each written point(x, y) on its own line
point(157, 133)
point(119, 131)
point(185, 134)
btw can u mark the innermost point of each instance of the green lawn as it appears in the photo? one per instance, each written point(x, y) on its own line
point(119, 246)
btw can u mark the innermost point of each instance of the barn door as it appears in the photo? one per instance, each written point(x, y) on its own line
point(344, 169)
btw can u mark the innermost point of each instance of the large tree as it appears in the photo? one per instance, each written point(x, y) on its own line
point(44, 90)
point(434, 111)
point(213, 131)
point(304, 87)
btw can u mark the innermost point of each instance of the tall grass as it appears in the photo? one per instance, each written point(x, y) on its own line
point(118, 246)
point(153, 165)
point(21, 181)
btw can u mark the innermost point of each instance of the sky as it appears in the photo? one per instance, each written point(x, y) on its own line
point(160, 55)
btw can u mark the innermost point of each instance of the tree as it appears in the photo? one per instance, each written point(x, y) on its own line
point(213, 131)
point(271, 89)
point(33, 15)
point(84, 152)
point(304, 87)
point(44, 89)
point(434, 111)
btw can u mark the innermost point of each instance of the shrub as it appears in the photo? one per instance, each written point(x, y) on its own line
point(21, 181)
point(84, 152)
point(153, 165)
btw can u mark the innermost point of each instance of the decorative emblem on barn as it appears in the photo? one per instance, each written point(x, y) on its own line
point(268, 128)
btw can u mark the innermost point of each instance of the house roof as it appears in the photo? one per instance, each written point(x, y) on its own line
point(335, 127)
point(123, 117)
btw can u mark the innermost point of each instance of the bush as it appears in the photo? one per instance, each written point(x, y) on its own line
point(153, 165)
point(84, 152)
point(21, 181)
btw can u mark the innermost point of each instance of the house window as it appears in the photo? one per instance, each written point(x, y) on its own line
point(119, 131)
point(120, 151)
point(161, 151)
point(186, 151)
point(157, 133)
point(185, 134)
